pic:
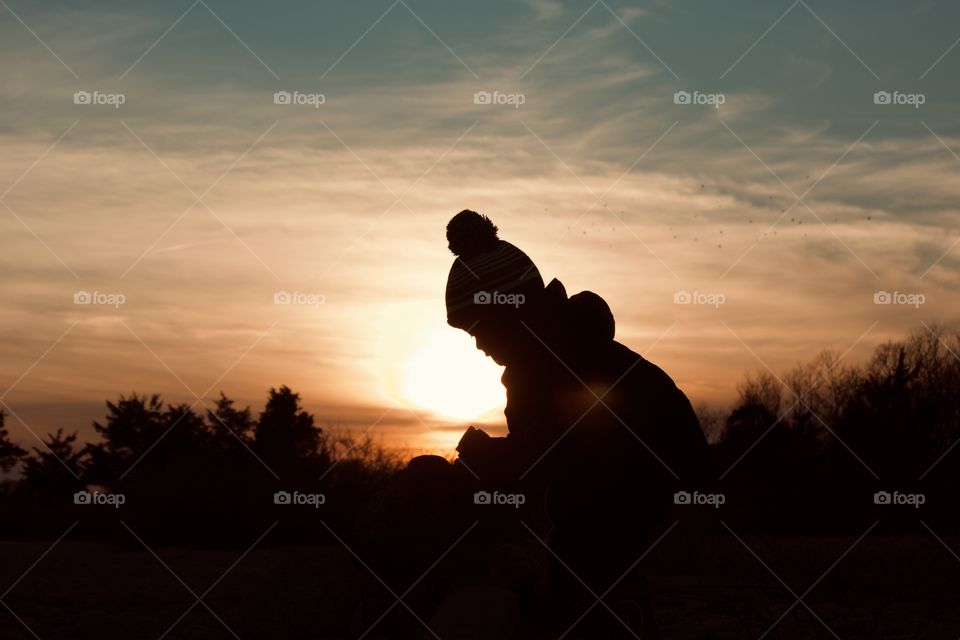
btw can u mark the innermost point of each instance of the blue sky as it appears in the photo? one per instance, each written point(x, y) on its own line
point(199, 198)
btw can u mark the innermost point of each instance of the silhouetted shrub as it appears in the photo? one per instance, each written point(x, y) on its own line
point(807, 450)
point(10, 454)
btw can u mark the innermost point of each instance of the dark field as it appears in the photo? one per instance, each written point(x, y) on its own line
point(705, 587)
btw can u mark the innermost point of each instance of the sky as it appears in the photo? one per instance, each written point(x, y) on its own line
point(743, 182)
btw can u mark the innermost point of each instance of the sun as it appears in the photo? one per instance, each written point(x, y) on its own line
point(447, 376)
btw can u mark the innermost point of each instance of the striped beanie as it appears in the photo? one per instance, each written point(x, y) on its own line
point(487, 273)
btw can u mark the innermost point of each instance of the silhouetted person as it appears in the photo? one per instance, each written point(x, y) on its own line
point(605, 432)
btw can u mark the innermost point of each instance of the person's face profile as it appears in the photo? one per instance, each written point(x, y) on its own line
point(496, 338)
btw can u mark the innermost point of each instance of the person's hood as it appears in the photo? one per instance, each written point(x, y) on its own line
point(585, 316)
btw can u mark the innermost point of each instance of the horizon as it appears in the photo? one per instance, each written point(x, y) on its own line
point(259, 243)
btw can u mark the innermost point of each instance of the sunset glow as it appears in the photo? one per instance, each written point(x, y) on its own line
point(450, 379)
point(260, 235)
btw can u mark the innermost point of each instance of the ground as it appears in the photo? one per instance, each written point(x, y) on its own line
point(707, 587)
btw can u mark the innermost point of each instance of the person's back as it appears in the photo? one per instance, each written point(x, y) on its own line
point(643, 417)
point(580, 398)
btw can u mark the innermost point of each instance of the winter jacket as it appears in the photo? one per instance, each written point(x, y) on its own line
point(584, 410)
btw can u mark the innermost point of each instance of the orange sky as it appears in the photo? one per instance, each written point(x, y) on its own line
point(199, 199)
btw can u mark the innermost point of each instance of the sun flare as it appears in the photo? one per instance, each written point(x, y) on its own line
point(450, 378)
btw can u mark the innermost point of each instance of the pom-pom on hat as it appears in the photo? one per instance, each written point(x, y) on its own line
point(485, 270)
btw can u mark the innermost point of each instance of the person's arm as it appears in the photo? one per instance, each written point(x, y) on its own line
point(489, 458)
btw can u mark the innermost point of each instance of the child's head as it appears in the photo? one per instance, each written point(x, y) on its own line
point(489, 285)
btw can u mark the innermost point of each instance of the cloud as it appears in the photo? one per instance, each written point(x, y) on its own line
point(545, 9)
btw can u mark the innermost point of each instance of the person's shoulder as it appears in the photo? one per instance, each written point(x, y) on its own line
point(638, 366)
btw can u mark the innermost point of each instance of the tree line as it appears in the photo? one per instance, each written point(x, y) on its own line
point(808, 450)
point(214, 474)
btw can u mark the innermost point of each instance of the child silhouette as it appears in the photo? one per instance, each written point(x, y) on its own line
point(606, 433)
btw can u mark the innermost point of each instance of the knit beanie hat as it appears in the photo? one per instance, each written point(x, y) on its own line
point(488, 272)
